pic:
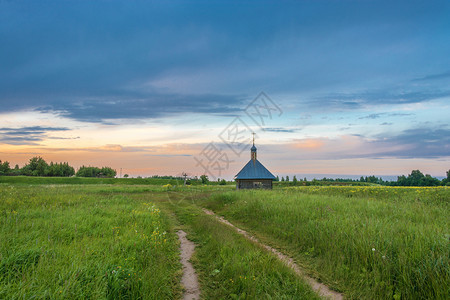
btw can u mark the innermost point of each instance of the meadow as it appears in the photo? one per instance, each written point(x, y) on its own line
point(66, 242)
point(368, 242)
point(94, 240)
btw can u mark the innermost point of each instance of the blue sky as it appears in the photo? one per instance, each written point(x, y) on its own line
point(363, 85)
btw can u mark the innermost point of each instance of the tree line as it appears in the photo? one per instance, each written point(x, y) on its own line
point(37, 166)
point(416, 178)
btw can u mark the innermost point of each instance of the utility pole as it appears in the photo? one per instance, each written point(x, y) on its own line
point(184, 175)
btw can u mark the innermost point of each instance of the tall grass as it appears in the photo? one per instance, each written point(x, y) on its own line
point(90, 180)
point(84, 242)
point(369, 242)
point(231, 267)
point(86, 180)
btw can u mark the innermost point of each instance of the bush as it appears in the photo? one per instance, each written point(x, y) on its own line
point(96, 172)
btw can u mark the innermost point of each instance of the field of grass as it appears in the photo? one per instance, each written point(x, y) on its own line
point(369, 242)
point(77, 243)
point(87, 180)
point(118, 241)
point(93, 180)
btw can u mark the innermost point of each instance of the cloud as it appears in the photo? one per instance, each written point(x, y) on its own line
point(418, 143)
point(434, 76)
point(310, 144)
point(280, 129)
point(27, 135)
point(411, 143)
point(379, 115)
point(373, 116)
point(349, 101)
point(168, 155)
point(143, 106)
point(32, 129)
point(148, 106)
point(63, 138)
point(97, 69)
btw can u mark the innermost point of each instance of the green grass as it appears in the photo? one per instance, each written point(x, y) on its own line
point(113, 242)
point(75, 241)
point(369, 242)
point(87, 180)
point(34, 180)
point(78, 243)
point(231, 267)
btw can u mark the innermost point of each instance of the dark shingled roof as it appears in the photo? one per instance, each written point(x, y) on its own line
point(254, 171)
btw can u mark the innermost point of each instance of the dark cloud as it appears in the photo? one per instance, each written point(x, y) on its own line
point(421, 143)
point(417, 143)
point(89, 60)
point(27, 135)
point(279, 129)
point(379, 115)
point(427, 143)
point(63, 138)
point(150, 106)
point(400, 114)
point(359, 100)
point(372, 116)
point(434, 77)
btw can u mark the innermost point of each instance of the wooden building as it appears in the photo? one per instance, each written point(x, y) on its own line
point(254, 175)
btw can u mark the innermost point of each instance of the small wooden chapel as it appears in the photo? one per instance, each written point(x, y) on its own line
point(254, 175)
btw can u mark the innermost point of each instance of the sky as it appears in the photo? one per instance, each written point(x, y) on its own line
point(167, 87)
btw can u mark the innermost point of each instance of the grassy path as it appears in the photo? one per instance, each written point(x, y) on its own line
point(231, 267)
point(189, 279)
point(318, 287)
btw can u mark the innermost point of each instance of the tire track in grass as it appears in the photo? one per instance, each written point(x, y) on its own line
point(320, 288)
point(189, 279)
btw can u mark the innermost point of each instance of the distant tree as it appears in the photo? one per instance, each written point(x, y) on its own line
point(36, 167)
point(277, 179)
point(282, 178)
point(125, 176)
point(16, 171)
point(223, 182)
point(108, 172)
point(294, 180)
point(204, 179)
point(287, 178)
point(96, 172)
point(431, 181)
point(4, 168)
point(446, 181)
point(84, 171)
point(59, 170)
point(416, 178)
